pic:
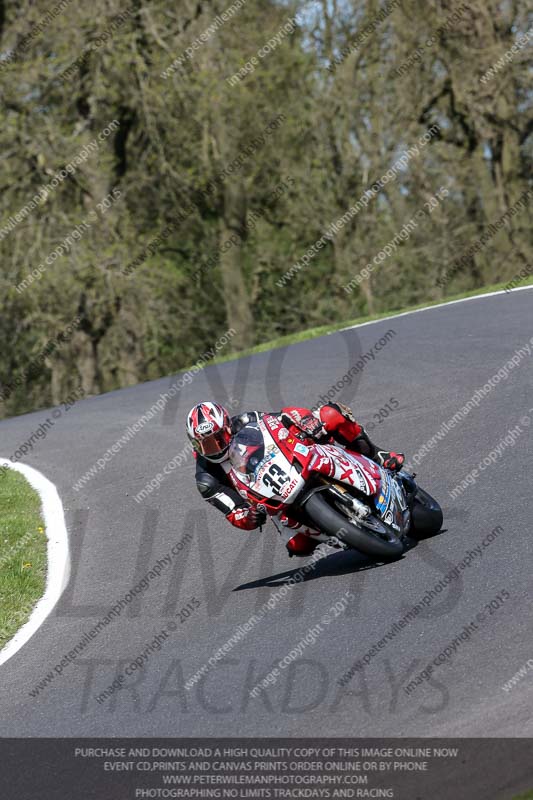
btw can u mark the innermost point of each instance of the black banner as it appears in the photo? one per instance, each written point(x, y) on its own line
point(147, 769)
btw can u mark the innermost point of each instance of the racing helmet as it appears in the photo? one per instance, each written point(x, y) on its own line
point(209, 430)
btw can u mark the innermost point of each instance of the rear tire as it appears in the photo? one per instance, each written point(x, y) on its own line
point(426, 515)
point(333, 523)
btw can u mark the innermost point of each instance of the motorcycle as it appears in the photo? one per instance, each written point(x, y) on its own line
point(344, 495)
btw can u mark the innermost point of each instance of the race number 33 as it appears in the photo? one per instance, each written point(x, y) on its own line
point(275, 478)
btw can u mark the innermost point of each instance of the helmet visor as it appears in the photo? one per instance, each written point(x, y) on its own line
point(214, 444)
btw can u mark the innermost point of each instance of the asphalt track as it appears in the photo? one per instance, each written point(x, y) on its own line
point(431, 366)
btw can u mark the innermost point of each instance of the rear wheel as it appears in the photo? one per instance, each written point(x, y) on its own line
point(426, 514)
point(381, 541)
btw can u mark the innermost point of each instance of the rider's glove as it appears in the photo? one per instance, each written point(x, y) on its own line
point(309, 424)
point(393, 461)
point(258, 515)
point(247, 517)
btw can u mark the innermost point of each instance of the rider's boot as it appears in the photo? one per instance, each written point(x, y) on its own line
point(304, 540)
point(301, 544)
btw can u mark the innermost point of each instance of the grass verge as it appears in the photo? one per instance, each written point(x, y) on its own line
point(23, 548)
point(313, 333)
point(526, 796)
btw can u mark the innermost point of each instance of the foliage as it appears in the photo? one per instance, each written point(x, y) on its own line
point(180, 159)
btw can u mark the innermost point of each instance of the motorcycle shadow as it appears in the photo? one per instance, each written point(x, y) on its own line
point(333, 565)
point(423, 537)
point(345, 562)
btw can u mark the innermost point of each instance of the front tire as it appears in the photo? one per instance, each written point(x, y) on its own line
point(384, 544)
point(426, 515)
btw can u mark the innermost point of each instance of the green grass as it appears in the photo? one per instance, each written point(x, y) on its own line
point(22, 552)
point(313, 333)
point(526, 796)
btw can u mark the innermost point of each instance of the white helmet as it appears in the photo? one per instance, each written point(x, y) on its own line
point(209, 430)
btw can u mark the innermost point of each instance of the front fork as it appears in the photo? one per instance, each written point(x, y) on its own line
point(343, 496)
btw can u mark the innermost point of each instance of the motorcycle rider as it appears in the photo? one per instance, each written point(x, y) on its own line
point(210, 429)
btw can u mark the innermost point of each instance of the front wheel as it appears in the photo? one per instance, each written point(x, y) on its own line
point(381, 541)
point(426, 514)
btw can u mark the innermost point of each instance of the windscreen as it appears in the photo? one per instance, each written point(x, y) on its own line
point(247, 449)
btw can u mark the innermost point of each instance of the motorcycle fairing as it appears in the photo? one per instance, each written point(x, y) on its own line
point(288, 463)
point(275, 479)
point(390, 502)
point(352, 469)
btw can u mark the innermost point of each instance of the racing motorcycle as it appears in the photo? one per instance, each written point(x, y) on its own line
point(343, 495)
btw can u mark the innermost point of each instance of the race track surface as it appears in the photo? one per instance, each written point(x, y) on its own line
point(431, 366)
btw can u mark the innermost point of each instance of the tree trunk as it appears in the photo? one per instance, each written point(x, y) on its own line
point(236, 295)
